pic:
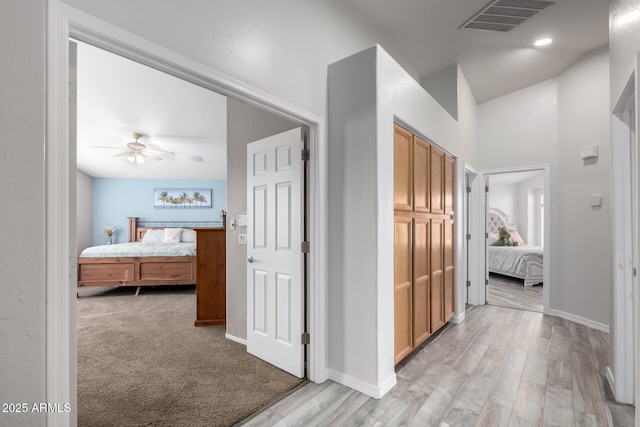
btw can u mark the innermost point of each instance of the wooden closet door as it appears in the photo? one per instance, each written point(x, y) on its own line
point(421, 175)
point(437, 181)
point(403, 289)
point(449, 172)
point(437, 274)
point(421, 285)
point(403, 169)
point(448, 269)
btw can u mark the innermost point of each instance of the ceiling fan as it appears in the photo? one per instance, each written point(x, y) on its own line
point(137, 151)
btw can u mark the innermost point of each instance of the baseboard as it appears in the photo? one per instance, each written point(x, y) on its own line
point(236, 339)
point(369, 389)
point(578, 319)
point(610, 379)
point(456, 320)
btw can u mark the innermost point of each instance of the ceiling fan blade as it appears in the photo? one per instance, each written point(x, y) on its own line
point(150, 155)
point(99, 146)
point(123, 154)
point(171, 153)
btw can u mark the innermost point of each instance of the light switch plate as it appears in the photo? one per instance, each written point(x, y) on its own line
point(242, 220)
point(242, 239)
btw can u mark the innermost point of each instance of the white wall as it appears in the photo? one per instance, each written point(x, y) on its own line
point(551, 122)
point(245, 124)
point(505, 197)
point(367, 92)
point(22, 172)
point(624, 42)
point(84, 224)
point(529, 192)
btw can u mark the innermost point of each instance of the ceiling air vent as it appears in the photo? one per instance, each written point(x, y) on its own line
point(505, 15)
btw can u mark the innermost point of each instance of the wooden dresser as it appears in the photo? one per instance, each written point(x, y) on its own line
point(211, 274)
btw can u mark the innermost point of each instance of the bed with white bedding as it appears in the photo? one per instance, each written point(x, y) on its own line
point(143, 261)
point(523, 262)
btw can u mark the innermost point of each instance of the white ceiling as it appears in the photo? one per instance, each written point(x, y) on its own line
point(117, 96)
point(494, 63)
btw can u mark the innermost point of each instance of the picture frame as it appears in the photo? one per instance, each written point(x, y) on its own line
point(182, 198)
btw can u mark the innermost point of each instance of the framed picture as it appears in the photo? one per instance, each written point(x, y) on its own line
point(182, 198)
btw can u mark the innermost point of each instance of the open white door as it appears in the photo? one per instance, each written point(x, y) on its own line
point(275, 285)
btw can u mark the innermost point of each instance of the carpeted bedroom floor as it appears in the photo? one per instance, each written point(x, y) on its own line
point(142, 362)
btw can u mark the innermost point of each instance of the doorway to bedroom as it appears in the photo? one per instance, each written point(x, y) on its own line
point(515, 231)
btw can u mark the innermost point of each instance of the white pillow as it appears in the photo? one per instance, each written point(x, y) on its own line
point(172, 235)
point(188, 236)
point(153, 236)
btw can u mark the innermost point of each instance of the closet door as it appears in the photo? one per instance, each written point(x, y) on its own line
point(449, 172)
point(437, 181)
point(421, 175)
point(403, 289)
point(421, 284)
point(448, 269)
point(437, 274)
point(403, 169)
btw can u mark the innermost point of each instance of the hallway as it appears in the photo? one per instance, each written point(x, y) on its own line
point(500, 367)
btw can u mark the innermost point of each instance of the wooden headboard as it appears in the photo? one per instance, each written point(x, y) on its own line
point(136, 232)
point(496, 220)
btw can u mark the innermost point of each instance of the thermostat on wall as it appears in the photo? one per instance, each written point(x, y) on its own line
point(242, 220)
point(589, 153)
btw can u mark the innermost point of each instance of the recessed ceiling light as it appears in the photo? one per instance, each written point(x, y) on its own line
point(543, 42)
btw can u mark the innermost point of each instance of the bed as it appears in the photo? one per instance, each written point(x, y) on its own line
point(139, 263)
point(522, 262)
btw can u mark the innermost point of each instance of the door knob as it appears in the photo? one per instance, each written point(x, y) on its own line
point(250, 259)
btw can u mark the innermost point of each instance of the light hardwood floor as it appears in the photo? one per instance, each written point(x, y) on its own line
point(500, 367)
point(509, 292)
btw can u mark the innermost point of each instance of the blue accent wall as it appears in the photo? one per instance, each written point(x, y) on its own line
point(116, 199)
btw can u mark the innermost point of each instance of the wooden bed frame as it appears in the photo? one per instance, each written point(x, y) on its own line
point(137, 271)
point(534, 271)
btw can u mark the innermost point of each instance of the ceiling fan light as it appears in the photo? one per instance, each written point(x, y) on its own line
point(131, 158)
point(139, 158)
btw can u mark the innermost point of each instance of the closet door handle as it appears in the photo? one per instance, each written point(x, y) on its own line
point(249, 259)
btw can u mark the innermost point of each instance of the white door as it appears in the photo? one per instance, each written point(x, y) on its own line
point(274, 255)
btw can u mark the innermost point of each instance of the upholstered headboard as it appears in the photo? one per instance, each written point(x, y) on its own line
point(496, 220)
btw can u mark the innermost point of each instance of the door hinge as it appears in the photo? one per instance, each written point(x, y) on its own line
point(468, 236)
point(468, 189)
point(306, 338)
point(305, 155)
point(486, 281)
point(305, 247)
point(634, 272)
point(486, 188)
point(486, 235)
point(468, 283)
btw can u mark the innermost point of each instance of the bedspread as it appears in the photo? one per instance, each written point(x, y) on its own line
point(139, 249)
point(511, 259)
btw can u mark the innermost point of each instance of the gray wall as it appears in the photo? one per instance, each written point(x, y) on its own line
point(245, 124)
point(22, 184)
point(551, 122)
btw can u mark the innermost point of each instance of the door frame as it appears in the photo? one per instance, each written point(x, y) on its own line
point(470, 251)
point(477, 291)
point(64, 22)
point(624, 341)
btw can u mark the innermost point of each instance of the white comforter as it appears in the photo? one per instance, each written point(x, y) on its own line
point(139, 249)
point(510, 259)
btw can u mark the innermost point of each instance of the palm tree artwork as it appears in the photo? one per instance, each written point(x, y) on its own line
point(182, 198)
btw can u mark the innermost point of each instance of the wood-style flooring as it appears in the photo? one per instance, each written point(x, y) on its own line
point(509, 292)
point(500, 367)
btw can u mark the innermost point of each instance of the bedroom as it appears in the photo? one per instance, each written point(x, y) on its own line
point(516, 201)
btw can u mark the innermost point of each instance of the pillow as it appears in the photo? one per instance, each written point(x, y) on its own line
point(188, 236)
point(493, 237)
point(172, 235)
point(153, 236)
point(515, 237)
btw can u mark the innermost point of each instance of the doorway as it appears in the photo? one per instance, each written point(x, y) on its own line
point(515, 242)
point(66, 22)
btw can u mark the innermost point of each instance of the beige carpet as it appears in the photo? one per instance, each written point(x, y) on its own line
point(141, 362)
